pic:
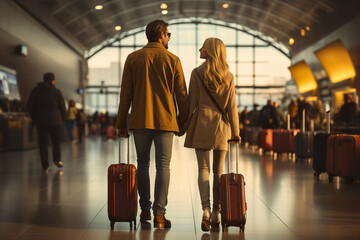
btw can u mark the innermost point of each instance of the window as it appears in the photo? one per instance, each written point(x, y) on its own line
point(251, 60)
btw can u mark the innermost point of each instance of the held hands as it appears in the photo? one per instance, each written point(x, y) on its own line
point(181, 132)
point(122, 133)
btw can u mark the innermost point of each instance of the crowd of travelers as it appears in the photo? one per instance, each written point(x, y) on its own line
point(273, 116)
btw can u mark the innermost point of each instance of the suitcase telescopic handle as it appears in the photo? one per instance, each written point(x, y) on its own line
point(237, 142)
point(128, 149)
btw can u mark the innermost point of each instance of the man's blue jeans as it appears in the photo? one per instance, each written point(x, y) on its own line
point(163, 141)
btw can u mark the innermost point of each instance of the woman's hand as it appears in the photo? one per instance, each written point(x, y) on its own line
point(236, 139)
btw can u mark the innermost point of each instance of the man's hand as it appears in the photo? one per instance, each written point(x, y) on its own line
point(123, 133)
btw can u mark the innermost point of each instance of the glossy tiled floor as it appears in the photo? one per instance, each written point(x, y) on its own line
point(284, 201)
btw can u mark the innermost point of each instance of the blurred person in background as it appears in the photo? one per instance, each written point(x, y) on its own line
point(81, 120)
point(71, 119)
point(347, 113)
point(47, 110)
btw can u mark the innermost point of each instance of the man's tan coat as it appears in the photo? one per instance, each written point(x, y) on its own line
point(153, 80)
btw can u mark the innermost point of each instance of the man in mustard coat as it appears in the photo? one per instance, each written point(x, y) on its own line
point(153, 84)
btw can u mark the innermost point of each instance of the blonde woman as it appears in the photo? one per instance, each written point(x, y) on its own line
point(213, 119)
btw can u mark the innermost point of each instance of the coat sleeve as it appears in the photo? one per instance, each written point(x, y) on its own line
point(181, 94)
point(31, 105)
point(232, 111)
point(62, 105)
point(126, 96)
point(193, 96)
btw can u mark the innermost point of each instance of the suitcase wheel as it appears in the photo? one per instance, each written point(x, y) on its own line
point(112, 224)
point(223, 227)
point(134, 224)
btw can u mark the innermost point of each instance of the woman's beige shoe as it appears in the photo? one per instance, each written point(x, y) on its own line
point(205, 222)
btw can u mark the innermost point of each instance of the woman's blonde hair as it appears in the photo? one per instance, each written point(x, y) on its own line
point(216, 65)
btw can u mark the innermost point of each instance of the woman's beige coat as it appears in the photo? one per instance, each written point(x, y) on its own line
point(206, 128)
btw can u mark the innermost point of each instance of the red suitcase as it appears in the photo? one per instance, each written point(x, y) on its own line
point(110, 132)
point(266, 139)
point(122, 192)
point(232, 197)
point(343, 156)
point(284, 140)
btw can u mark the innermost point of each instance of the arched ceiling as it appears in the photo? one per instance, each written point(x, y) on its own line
point(82, 27)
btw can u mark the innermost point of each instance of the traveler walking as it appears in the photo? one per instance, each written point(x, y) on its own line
point(47, 110)
point(71, 119)
point(213, 119)
point(153, 84)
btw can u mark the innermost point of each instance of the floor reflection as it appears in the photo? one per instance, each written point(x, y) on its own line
point(284, 199)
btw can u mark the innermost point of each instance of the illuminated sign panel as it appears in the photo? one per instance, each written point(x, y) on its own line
point(336, 61)
point(303, 77)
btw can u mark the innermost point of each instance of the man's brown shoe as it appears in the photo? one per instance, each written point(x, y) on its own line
point(145, 215)
point(161, 222)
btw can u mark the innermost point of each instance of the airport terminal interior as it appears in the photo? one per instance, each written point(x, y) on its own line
point(298, 58)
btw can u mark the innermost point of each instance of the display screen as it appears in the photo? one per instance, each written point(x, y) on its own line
point(8, 84)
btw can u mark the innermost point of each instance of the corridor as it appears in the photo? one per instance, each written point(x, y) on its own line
point(283, 198)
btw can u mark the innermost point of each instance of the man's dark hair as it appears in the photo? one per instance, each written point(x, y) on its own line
point(154, 30)
point(48, 77)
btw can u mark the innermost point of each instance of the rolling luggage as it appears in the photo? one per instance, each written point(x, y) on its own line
point(320, 149)
point(343, 156)
point(122, 192)
point(266, 139)
point(284, 140)
point(319, 161)
point(304, 142)
point(232, 197)
point(254, 138)
point(110, 132)
point(245, 134)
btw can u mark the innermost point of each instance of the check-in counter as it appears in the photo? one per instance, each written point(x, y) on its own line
point(20, 132)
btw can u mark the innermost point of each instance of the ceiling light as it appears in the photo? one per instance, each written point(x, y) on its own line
point(99, 7)
point(302, 32)
point(291, 41)
point(225, 5)
point(164, 12)
point(163, 6)
point(118, 28)
point(307, 28)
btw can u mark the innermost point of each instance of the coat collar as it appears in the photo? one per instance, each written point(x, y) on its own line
point(154, 45)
